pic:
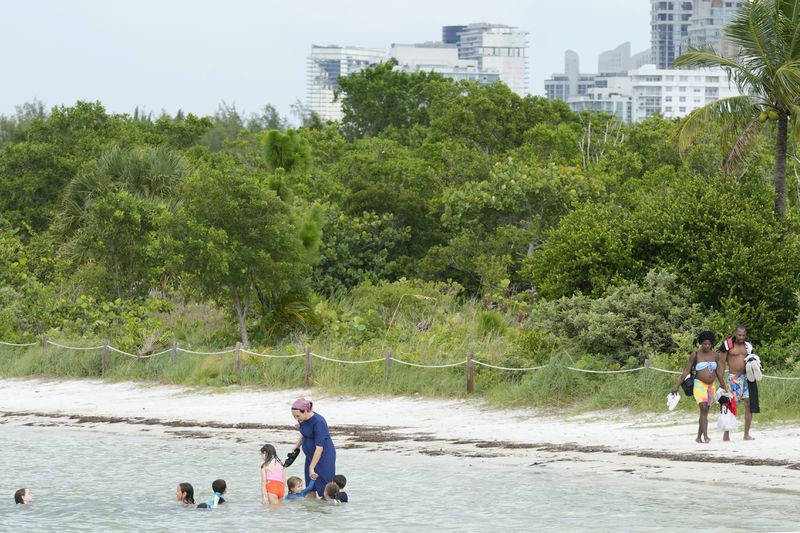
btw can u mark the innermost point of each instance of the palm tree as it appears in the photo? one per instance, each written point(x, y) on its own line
point(767, 74)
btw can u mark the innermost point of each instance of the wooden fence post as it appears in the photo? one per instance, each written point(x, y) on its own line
point(647, 364)
point(45, 342)
point(105, 357)
point(309, 367)
point(238, 362)
point(470, 376)
point(174, 355)
point(387, 369)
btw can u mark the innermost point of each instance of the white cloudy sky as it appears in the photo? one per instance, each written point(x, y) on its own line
point(191, 54)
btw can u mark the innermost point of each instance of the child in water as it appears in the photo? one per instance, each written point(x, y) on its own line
point(185, 494)
point(331, 493)
point(296, 490)
point(273, 476)
point(219, 487)
point(341, 481)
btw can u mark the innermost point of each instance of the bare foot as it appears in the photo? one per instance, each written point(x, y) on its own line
point(748, 437)
point(698, 440)
point(706, 439)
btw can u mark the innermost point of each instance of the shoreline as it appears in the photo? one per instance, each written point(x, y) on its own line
point(654, 446)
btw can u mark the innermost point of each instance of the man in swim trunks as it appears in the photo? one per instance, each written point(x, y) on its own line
point(734, 358)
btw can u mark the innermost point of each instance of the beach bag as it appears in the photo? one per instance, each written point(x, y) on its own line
point(727, 420)
point(688, 385)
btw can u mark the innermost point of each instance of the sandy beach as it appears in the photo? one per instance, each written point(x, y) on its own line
point(656, 446)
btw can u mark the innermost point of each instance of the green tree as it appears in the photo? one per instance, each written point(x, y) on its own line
point(767, 34)
point(289, 151)
point(234, 241)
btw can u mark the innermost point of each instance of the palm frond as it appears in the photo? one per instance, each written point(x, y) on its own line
point(738, 152)
point(739, 109)
point(746, 80)
point(786, 82)
point(790, 26)
point(754, 31)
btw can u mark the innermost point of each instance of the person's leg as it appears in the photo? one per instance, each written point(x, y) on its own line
point(748, 419)
point(704, 423)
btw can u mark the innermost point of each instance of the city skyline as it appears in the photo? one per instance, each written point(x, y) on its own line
point(192, 56)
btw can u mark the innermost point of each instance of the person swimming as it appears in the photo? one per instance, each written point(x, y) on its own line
point(219, 487)
point(185, 494)
point(23, 497)
point(296, 490)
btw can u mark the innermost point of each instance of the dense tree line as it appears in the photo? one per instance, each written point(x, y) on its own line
point(575, 228)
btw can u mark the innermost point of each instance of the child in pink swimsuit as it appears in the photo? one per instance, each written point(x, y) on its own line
point(273, 476)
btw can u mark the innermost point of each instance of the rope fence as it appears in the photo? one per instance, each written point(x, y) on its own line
point(309, 356)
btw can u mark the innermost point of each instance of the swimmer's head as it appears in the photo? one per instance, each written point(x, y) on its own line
point(268, 453)
point(185, 493)
point(295, 484)
point(219, 485)
point(331, 491)
point(23, 496)
point(340, 480)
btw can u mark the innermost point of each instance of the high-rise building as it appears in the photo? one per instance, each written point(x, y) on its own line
point(325, 66)
point(572, 82)
point(707, 26)
point(495, 47)
point(647, 91)
point(669, 27)
point(442, 58)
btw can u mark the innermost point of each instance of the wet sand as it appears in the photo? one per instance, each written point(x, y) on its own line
point(655, 446)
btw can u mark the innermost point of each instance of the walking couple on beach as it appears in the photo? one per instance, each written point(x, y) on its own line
point(738, 386)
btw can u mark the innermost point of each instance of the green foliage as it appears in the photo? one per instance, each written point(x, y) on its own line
point(234, 240)
point(491, 323)
point(289, 151)
point(631, 320)
point(355, 249)
point(380, 97)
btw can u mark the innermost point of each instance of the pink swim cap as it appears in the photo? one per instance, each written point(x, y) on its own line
point(301, 404)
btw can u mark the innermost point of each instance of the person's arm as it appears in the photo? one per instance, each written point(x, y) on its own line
point(721, 363)
point(314, 460)
point(308, 489)
point(299, 442)
point(686, 371)
point(264, 497)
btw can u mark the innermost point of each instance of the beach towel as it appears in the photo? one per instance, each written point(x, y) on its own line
point(726, 345)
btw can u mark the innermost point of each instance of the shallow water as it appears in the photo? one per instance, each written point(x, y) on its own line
point(91, 479)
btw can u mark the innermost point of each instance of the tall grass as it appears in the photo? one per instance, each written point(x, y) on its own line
point(553, 387)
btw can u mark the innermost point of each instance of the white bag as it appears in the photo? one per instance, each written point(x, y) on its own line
point(727, 421)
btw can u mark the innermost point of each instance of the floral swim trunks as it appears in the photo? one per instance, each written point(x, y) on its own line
point(738, 386)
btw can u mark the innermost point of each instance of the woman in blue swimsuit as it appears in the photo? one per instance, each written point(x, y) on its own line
point(317, 445)
point(703, 363)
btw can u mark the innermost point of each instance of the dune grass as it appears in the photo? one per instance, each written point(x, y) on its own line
point(553, 388)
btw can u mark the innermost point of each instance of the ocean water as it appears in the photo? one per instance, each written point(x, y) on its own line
point(98, 480)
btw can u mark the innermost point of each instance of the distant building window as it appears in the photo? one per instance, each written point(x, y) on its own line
point(683, 78)
point(652, 78)
point(682, 110)
point(712, 79)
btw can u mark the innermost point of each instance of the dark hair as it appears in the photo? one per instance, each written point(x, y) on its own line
point(332, 490)
point(293, 481)
point(188, 492)
point(706, 336)
point(219, 485)
point(741, 326)
point(340, 480)
point(271, 453)
point(18, 496)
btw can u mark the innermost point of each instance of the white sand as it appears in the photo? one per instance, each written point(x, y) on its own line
point(446, 422)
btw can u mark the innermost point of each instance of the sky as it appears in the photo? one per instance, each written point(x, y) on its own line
point(192, 55)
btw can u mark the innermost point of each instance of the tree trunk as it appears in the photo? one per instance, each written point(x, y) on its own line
point(241, 315)
point(780, 164)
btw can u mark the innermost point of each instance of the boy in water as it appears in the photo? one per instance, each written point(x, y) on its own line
point(331, 493)
point(219, 487)
point(296, 490)
point(341, 481)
